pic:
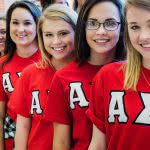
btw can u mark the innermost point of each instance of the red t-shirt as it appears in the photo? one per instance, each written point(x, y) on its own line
point(28, 100)
point(10, 74)
point(69, 99)
point(122, 115)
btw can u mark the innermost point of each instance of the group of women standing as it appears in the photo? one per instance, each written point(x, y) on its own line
point(61, 72)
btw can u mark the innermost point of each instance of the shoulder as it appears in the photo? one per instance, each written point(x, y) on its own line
point(3, 58)
point(30, 70)
point(111, 69)
point(68, 68)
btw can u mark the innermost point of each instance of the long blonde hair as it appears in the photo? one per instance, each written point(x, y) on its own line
point(134, 59)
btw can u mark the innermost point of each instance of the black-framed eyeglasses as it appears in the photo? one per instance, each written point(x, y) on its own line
point(109, 25)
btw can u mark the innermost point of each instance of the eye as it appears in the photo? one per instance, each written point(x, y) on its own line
point(27, 23)
point(111, 23)
point(3, 32)
point(64, 33)
point(14, 22)
point(48, 34)
point(91, 23)
point(134, 27)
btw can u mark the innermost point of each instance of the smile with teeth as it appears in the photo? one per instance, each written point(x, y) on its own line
point(21, 36)
point(145, 45)
point(101, 40)
point(58, 48)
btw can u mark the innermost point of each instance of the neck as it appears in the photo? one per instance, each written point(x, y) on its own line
point(58, 64)
point(27, 51)
point(102, 58)
point(146, 63)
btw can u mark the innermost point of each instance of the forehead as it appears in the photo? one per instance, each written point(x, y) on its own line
point(59, 24)
point(2, 24)
point(104, 10)
point(133, 12)
point(21, 13)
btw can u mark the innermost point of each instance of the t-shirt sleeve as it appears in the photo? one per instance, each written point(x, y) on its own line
point(96, 111)
point(18, 100)
point(57, 108)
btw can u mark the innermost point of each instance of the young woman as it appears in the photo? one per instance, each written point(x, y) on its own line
point(96, 40)
point(121, 91)
point(46, 3)
point(56, 29)
point(2, 34)
point(21, 50)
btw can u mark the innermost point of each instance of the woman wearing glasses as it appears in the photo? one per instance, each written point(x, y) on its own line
point(97, 42)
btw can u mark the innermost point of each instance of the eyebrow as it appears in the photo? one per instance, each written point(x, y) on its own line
point(108, 19)
point(23, 20)
point(148, 21)
point(58, 31)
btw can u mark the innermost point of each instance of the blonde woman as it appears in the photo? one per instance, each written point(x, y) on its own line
point(56, 29)
point(121, 91)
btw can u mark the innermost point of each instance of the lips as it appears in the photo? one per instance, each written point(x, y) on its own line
point(21, 36)
point(2, 41)
point(101, 40)
point(58, 49)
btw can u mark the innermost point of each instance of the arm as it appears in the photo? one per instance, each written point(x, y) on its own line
point(62, 139)
point(2, 115)
point(98, 141)
point(22, 126)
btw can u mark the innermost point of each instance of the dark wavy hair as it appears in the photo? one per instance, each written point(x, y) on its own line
point(10, 46)
point(81, 45)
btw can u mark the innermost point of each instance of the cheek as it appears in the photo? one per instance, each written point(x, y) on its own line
point(46, 42)
point(32, 29)
point(70, 40)
point(115, 36)
point(132, 37)
point(89, 36)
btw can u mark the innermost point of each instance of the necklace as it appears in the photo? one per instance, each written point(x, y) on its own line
point(145, 79)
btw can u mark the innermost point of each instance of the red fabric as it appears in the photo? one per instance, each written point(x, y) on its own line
point(125, 133)
point(9, 144)
point(34, 80)
point(14, 67)
point(58, 107)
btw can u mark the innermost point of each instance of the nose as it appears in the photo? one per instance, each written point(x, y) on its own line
point(101, 30)
point(56, 40)
point(144, 35)
point(21, 28)
point(1, 36)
